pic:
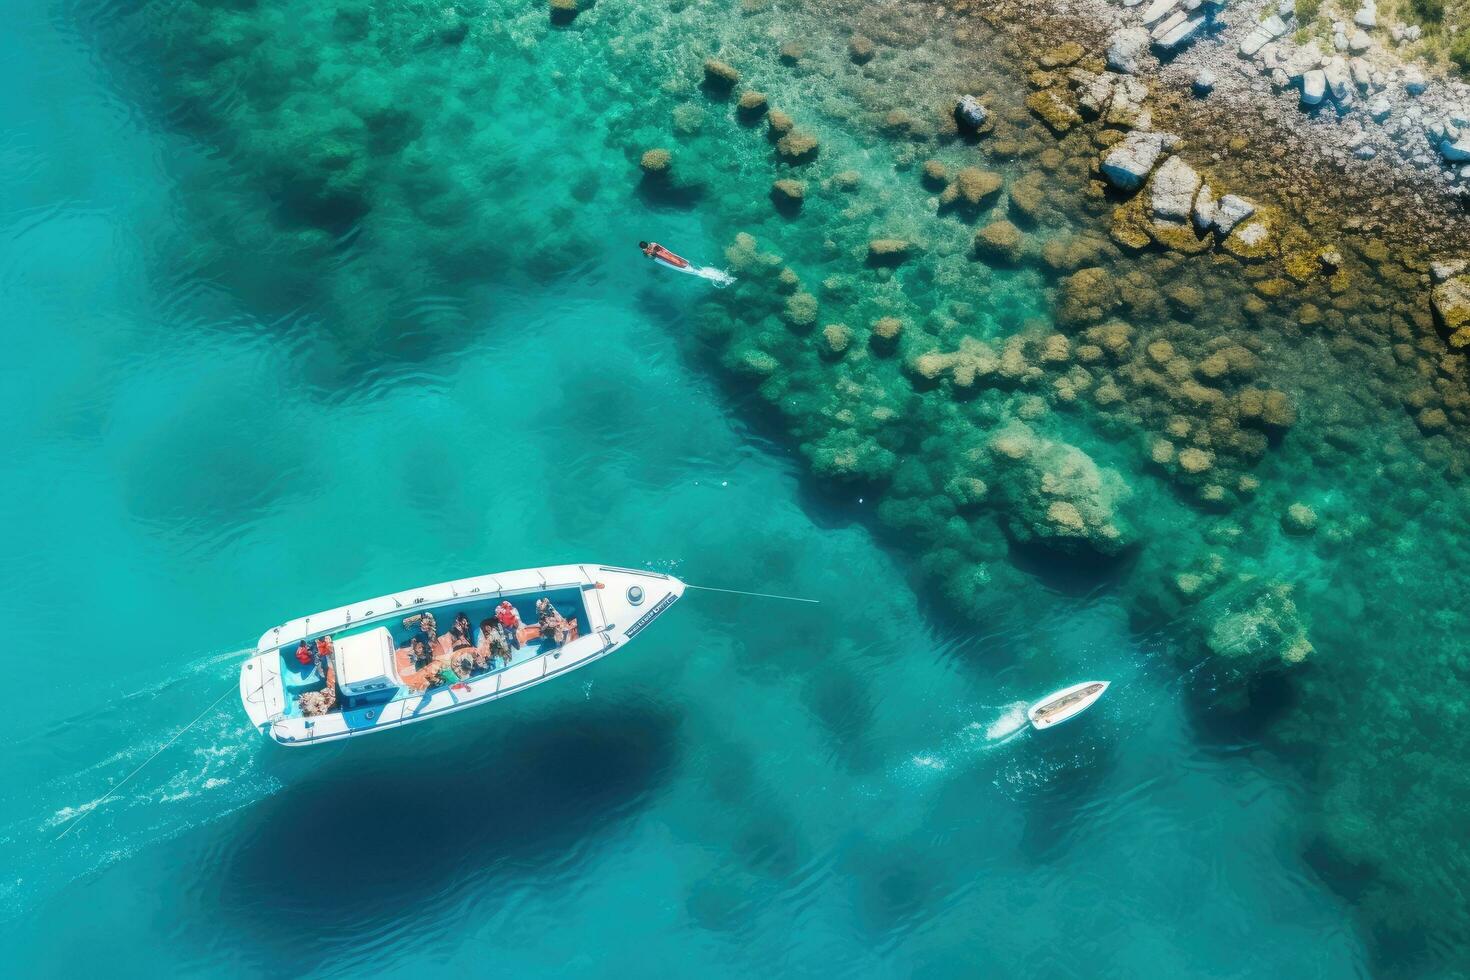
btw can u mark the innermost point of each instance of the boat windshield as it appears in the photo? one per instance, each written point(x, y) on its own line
point(432, 646)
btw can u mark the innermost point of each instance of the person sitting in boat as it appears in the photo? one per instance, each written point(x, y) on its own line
point(428, 626)
point(314, 703)
point(509, 621)
point(554, 625)
point(303, 654)
point(324, 651)
point(415, 664)
point(492, 646)
point(459, 634)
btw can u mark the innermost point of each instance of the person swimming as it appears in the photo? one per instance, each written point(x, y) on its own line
point(662, 255)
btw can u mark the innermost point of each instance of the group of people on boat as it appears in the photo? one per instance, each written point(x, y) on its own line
point(432, 659)
point(318, 656)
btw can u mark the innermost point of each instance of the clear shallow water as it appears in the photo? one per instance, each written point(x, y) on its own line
point(810, 790)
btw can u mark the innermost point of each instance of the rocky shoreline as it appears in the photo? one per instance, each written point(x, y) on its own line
point(1377, 160)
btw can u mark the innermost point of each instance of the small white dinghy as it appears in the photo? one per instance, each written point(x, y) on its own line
point(1065, 704)
point(420, 654)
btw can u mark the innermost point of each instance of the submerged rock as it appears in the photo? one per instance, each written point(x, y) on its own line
point(973, 187)
point(1128, 164)
point(1057, 495)
point(970, 113)
point(999, 241)
point(1172, 190)
point(860, 49)
point(1258, 622)
point(1125, 48)
point(656, 162)
point(888, 251)
point(1451, 301)
point(718, 76)
point(796, 146)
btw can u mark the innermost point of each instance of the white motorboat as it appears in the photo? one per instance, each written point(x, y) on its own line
point(1063, 705)
point(411, 656)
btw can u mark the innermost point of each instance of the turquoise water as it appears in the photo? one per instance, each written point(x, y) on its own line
point(241, 392)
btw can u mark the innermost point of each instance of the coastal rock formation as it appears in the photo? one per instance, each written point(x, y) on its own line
point(1057, 495)
point(1128, 164)
point(1451, 300)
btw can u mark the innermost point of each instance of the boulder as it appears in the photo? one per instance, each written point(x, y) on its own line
point(1359, 41)
point(1172, 190)
point(888, 251)
point(788, 193)
point(1335, 74)
point(752, 105)
point(1050, 107)
point(999, 241)
point(1299, 519)
point(1168, 36)
point(1158, 10)
point(860, 49)
point(1367, 15)
point(1414, 81)
point(1256, 623)
point(1442, 269)
point(1380, 108)
point(719, 76)
point(796, 147)
point(1314, 86)
point(655, 162)
point(1204, 82)
point(970, 113)
point(1451, 302)
point(973, 187)
point(1056, 495)
point(1128, 164)
point(1206, 206)
point(1125, 48)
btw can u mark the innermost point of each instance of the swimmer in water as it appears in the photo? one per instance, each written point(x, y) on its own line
point(660, 254)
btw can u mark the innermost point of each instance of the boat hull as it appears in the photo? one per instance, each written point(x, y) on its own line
point(616, 605)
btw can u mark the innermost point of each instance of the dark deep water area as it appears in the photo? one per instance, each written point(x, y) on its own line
point(310, 301)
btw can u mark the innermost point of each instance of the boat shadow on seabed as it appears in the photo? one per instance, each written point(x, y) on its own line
point(332, 863)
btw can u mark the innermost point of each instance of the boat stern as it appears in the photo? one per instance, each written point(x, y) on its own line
point(261, 691)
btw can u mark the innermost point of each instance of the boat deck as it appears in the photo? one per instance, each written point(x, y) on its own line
point(298, 678)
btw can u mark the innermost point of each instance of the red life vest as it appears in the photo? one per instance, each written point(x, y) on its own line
point(506, 614)
point(303, 653)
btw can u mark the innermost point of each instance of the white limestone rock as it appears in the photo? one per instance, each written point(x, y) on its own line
point(1231, 211)
point(1177, 35)
point(1358, 68)
point(1172, 190)
point(1367, 15)
point(1204, 82)
point(1314, 86)
point(1205, 208)
point(1336, 75)
point(1444, 269)
point(1125, 48)
point(1130, 160)
point(1158, 10)
point(1380, 108)
point(1414, 81)
point(1359, 42)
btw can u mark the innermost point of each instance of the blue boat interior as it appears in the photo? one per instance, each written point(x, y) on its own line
point(299, 678)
